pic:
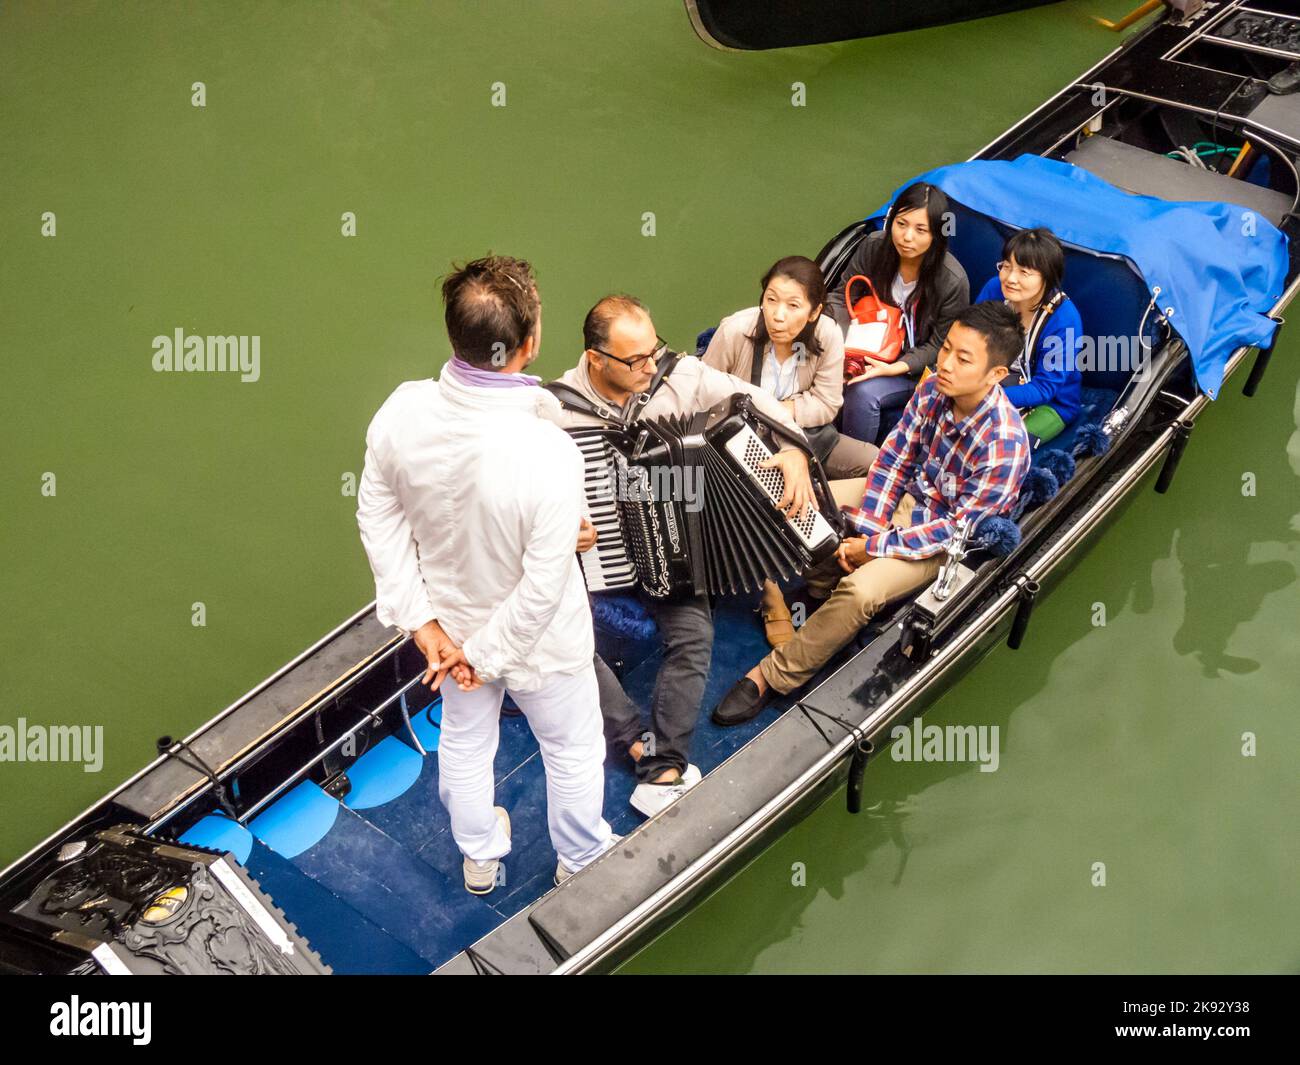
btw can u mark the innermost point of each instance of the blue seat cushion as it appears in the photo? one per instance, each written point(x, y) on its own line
point(219, 833)
point(382, 773)
point(626, 633)
point(1097, 403)
point(296, 821)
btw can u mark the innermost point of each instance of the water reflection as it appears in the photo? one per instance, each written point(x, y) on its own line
point(1223, 587)
point(1226, 555)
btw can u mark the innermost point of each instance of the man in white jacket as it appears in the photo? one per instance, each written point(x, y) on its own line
point(469, 507)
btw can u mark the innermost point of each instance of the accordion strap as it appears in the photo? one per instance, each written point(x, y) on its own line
point(571, 399)
point(671, 359)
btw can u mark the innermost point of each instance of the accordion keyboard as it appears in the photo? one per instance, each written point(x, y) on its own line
point(606, 567)
point(749, 451)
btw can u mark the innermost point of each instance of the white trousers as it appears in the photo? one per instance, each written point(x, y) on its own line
point(564, 714)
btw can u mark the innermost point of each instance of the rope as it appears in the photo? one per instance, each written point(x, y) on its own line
point(854, 730)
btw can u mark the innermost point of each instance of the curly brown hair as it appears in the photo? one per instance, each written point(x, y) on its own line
point(492, 307)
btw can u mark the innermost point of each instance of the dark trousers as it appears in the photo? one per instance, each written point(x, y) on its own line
point(686, 629)
point(865, 402)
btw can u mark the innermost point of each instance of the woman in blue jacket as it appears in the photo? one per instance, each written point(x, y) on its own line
point(1029, 281)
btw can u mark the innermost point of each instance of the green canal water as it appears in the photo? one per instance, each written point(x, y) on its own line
point(1120, 743)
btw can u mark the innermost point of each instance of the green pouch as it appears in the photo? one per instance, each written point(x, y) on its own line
point(1043, 422)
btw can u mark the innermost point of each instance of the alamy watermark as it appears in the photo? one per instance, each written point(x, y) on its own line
point(120, 1019)
point(210, 354)
point(920, 742)
point(53, 743)
point(646, 484)
point(1069, 351)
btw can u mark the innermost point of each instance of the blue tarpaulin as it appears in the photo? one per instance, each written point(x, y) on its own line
point(1219, 266)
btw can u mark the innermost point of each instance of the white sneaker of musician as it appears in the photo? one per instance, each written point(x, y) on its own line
point(653, 796)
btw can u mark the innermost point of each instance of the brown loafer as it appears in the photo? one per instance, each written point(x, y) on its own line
point(776, 615)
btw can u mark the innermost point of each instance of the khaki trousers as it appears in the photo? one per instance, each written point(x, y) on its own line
point(854, 598)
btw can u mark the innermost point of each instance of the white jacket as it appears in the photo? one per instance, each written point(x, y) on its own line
point(469, 508)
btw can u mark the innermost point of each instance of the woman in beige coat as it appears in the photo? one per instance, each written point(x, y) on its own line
point(788, 348)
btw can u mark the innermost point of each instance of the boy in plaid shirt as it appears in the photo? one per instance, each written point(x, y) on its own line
point(960, 450)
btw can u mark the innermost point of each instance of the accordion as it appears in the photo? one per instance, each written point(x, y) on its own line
point(683, 507)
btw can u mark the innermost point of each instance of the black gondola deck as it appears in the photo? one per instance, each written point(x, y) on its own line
point(334, 804)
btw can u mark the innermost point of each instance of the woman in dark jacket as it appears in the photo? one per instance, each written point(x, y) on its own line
point(910, 267)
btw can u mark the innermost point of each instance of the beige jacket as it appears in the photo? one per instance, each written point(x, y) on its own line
point(820, 389)
point(691, 387)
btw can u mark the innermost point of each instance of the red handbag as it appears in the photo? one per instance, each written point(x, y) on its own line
point(875, 329)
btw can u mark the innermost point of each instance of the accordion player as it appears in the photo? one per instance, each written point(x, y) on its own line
point(683, 507)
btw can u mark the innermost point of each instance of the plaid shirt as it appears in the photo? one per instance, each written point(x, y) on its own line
point(973, 467)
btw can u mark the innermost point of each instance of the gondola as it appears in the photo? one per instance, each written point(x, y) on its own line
point(741, 25)
point(299, 829)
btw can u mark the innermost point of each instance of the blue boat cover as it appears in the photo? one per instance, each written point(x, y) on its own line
point(1219, 266)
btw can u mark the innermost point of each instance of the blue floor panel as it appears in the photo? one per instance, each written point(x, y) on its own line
point(415, 816)
point(383, 890)
point(345, 940)
point(433, 915)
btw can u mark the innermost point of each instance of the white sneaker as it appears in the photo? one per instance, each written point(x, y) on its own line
point(650, 799)
point(562, 874)
point(481, 877)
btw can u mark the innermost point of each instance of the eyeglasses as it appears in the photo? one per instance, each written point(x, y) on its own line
point(1007, 267)
point(636, 362)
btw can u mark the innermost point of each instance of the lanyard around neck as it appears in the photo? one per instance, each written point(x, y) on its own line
point(909, 314)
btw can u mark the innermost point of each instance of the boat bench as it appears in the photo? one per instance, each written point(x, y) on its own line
point(1112, 299)
point(1107, 290)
